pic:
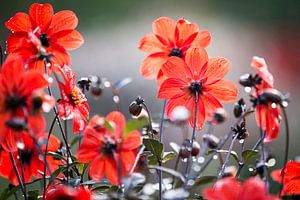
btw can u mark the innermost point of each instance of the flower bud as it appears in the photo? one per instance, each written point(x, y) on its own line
point(84, 83)
point(195, 148)
point(260, 166)
point(185, 149)
point(239, 108)
point(219, 116)
point(135, 107)
point(211, 140)
point(246, 80)
point(272, 95)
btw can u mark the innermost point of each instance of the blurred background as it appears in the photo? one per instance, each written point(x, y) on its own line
point(240, 29)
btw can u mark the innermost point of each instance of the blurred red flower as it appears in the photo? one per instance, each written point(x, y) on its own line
point(59, 192)
point(104, 148)
point(169, 38)
point(21, 102)
point(291, 181)
point(54, 32)
point(230, 189)
point(197, 74)
point(73, 104)
point(267, 114)
point(30, 158)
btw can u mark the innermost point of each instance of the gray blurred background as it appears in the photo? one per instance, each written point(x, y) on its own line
point(240, 30)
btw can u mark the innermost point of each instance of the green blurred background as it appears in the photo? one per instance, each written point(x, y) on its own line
point(240, 30)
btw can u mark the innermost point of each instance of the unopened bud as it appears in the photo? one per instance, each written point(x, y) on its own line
point(195, 148)
point(219, 116)
point(239, 108)
point(211, 140)
point(135, 108)
point(246, 80)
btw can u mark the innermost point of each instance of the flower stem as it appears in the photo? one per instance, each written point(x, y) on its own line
point(1, 55)
point(149, 118)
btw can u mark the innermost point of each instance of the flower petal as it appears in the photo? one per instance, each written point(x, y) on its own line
point(150, 44)
point(96, 168)
point(111, 171)
point(203, 39)
point(69, 39)
point(171, 88)
point(19, 23)
point(196, 59)
point(210, 103)
point(63, 20)
point(152, 64)
point(128, 159)
point(165, 28)
point(223, 90)
point(118, 122)
point(217, 68)
point(184, 30)
point(132, 141)
point(176, 68)
point(79, 121)
point(41, 15)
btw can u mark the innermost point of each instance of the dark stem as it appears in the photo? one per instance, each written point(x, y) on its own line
point(287, 144)
point(1, 55)
point(23, 175)
point(161, 141)
point(227, 156)
point(149, 118)
point(17, 174)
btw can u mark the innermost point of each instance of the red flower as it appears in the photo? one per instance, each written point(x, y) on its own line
point(55, 32)
point(104, 148)
point(21, 102)
point(169, 38)
point(269, 112)
point(291, 181)
point(199, 74)
point(30, 158)
point(59, 192)
point(73, 104)
point(231, 189)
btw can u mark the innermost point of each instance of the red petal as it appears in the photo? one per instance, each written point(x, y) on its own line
point(111, 171)
point(63, 20)
point(33, 81)
point(185, 29)
point(118, 122)
point(260, 116)
point(37, 123)
point(200, 114)
point(223, 90)
point(96, 168)
point(254, 186)
point(292, 187)
point(128, 159)
point(176, 68)
point(203, 39)
point(223, 190)
point(196, 59)
point(41, 15)
point(19, 23)
point(272, 123)
point(69, 39)
point(150, 44)
point(292, 170)
point(171, 87)
point(210, 103)
point(60, 55)
point(217, 68)
point(165, 28)
point(17, 41)
point(152, 64)
point(132, 141)
point(79, 122)
point(262, 69)
point(276, 175)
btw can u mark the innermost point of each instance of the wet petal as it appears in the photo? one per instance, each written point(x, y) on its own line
point(223, 90)
point(132, 141)
point(69, 39)
point(19, 23)
point(171, 87)
point(217, 68)
point(63, 20)
point(176, 68)
point(196, 59)
point(41, 15)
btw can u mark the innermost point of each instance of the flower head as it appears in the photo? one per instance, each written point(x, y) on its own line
point(21, 102)
point(109, 150)
point(28, 156)
point(169, 38)
point(73, 104)
point(40, 31)
point(60, 191)
point(291, 181)
point(198, 74)
point(230, 189)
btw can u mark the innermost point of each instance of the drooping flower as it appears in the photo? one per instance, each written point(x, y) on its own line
point(267, 114)
point(54, 32)
point(198, 74)
point(60, 191)
point(230, 189)
point(73, 104)
point(30, 159)
point(169, 38)
point(109, 150)
point(21, 102)
point(291, 181)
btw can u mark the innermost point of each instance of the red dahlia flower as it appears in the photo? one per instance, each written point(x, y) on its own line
point(59, 192)
point(291, 181)
point(21, 102)
point(231, 189)
point(269, 112)
point(73, 104)
point(56, 33)
point(169, 38)
point(105, 148)
point(29, 157)
point(198, 74)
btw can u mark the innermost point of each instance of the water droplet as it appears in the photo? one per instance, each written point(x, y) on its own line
point(20, 145)
point(190, 182)
point(196, 168)
point(116, 99)
point(251, 169)
point(248, 89)
point(215, 157)
point(285, 103)
point(107, 84)
point(201, 159)
point(272, 162)
point(273, 105)
point(241, 141)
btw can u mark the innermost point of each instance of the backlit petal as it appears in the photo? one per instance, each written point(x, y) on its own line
point(63, 20)
point(223, 90)
point(150, 44)
point(19, 23)
point(176, 68)
point(217, 68)
point(41, 15)
point(196, 59)
point(171, 87)
point(152, 64)
point(165, 28)
point(69, 39)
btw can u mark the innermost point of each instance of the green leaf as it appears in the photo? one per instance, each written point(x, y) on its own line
point(33, 195)
point(152, 160)
point(233, 153)
point(155, 147)
point(248, 153)
point(168, 156)
point(132, 125)
point(204, 180)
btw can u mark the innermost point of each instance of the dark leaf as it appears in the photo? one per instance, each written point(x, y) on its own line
point(168, 156)
point(247, 154)
point(155, 147)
